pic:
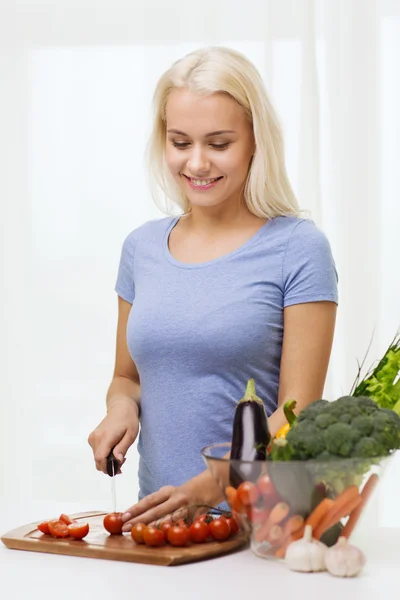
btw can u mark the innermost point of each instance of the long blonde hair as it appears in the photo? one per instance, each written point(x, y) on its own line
point(267, 190)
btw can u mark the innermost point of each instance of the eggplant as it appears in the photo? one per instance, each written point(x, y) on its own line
point(250, 437)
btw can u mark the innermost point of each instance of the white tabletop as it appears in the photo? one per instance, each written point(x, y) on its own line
point(239, 576)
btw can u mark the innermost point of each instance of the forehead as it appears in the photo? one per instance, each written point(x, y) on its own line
point(192, 112)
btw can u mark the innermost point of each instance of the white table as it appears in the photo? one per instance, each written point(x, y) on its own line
point(239, 576)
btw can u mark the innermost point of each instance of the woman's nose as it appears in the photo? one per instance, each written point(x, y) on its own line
point(198, 162)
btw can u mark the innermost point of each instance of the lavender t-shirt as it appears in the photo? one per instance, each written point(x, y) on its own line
point(198, 332)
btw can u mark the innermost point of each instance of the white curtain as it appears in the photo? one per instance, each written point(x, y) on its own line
point(76, 82)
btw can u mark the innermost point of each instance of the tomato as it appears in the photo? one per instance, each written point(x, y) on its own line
point(152, 536)
point(165, 527)
point(204, 518)
point(137, 532)
point(66, 519)
point(238, 506)
point(58, 529)
point(233, 525)
point(113, 523)
point(265, 485)
point(248, 493)
point(78, 530)
point(179, 535)
point(219, 529)
point(199, 531)
point(44, 527)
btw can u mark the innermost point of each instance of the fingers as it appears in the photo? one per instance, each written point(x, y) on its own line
point(102, 444)
point(154, 507)
point(122, 447)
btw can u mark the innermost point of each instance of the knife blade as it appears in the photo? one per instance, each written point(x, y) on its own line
point(112, 470)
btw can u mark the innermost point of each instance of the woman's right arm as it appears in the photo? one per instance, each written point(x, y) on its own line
point(120, 426)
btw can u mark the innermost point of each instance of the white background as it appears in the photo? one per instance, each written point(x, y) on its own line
point(75, 89)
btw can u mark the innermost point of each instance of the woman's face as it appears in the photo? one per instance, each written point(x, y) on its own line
point(209, 145)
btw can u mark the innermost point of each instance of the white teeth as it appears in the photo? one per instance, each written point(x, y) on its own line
point(201, 182)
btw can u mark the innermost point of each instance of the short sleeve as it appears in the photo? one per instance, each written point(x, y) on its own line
point(125, 286)
point(309, 271)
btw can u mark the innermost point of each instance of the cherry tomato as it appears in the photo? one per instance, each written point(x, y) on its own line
point(233, 525)
point(199, 531)
point(137, 533)
point(219, 529)
point(248, 493)
point(78, 530)
point(113, 523)
point(179, 535)
point(152, 536)
point(58, 529)
point(165, 527)
point(66, 519)
point(44, 527)
point(204, 518)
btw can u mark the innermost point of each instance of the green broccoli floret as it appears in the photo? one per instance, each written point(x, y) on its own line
point(348, 427)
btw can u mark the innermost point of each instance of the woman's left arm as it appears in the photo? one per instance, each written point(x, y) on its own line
point(306, 349)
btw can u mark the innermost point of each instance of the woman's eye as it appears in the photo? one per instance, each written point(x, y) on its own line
point(180, 145)
point(220, 146)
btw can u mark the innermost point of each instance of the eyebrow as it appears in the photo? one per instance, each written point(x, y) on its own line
point(221, 131)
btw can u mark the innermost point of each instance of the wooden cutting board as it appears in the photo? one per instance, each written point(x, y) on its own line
point(99, 544)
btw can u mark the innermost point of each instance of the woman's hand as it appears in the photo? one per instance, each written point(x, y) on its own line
point(117, 430)
point(201, 491)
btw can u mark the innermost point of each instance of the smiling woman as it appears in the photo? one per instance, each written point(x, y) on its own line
point(238, 286)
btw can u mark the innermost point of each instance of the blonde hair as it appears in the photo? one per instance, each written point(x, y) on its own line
point(267, 189)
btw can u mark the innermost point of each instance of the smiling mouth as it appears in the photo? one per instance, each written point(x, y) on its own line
point(202, 183)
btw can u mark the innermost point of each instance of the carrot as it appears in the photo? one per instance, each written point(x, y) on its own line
point(319, 512)
point(276, 516)
point(338, 511)
point(293, 524)
point(355, 514)
point(230, 494)
point(274, 535)
point(281, 551)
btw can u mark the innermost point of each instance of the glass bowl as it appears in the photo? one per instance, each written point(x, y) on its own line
point(274, 500)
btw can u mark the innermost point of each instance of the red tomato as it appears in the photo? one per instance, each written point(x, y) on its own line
point(165, 527)
point(233, 525)
point(204, 518)
point(66, 519)
point(153, 536)
point(199, 531)
point(78, 530)
point(219, 529)
point(137, 532)
point(248, 493)
point(113, 523)
point(44, 527)
point(238, 506)
point(179, 535)
point(58, 529)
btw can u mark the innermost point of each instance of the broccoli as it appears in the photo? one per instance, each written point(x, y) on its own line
point(348, 427)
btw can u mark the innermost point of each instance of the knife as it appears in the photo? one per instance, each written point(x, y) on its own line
point(112, 470)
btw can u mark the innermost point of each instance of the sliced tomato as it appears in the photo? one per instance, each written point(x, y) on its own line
point(66, 519)
point(44, 527)
point(78, 530)
point(58, 529)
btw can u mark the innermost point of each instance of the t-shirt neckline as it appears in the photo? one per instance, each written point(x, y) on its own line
point(214, 261)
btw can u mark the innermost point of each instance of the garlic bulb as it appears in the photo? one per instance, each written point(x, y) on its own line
point(343, 559)
point(306, 554)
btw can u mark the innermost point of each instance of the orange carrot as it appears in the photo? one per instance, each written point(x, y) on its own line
point(355, 514)
point(275, 534)
point(333, 517)
point(340, 500)
point(276, 516)
point(319, 512)
point(230, 494)
point(293, 524)
point(281, 551)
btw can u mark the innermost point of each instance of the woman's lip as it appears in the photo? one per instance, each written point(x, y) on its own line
point(202, 187)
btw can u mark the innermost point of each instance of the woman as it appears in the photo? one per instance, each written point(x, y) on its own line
point(237, 286)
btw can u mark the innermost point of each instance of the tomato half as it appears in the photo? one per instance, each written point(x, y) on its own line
point(219, 529)
point(199, 531)
point(44, 527)
point(66, 519)
point(153, 536)
point(137, 532)
point(58, 529)
point(113, 523)
point(179, 535)
point(78, 530)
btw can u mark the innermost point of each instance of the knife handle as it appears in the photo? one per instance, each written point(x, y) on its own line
point(112, 464)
